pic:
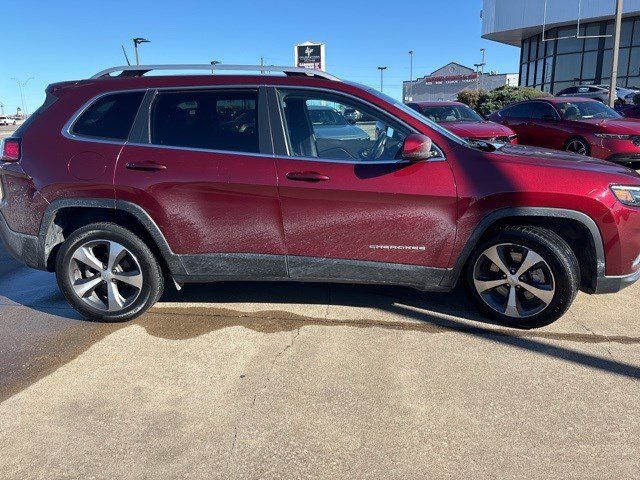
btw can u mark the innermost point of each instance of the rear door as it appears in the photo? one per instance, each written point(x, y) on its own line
point(544, 127)
point(352, 209)
point(200, 164)
point(517, 118)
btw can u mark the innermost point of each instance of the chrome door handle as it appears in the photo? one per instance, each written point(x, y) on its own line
point(146, 166)
point(307, 177)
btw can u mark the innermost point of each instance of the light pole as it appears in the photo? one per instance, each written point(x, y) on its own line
point(137, 41)
point(1, 108)
point(23, 97)
point(410, 75)
point(613, 94)
point(382, 69)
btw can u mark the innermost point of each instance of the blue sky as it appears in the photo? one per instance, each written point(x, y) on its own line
point(70, 39)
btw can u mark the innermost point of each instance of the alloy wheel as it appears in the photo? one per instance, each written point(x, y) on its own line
point(577, 146)
point(514, 280)
point(105, 275)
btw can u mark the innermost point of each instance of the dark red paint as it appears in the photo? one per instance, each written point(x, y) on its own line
point(206, 202)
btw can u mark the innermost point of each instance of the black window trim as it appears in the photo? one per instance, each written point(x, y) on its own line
point(280, 131)
point(67, 129)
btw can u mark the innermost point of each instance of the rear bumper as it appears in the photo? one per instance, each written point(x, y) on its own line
point(22, 247)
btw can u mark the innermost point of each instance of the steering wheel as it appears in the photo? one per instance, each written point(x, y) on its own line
point(377, 149)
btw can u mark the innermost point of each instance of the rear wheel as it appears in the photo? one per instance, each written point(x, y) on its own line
point(578, 145)
point(107, 273)
point(524, 276)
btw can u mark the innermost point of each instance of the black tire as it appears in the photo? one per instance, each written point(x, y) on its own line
point(152, 276)
point(569, 146)
point(560, 259)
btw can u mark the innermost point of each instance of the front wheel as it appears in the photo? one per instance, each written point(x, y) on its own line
point(107, 273)
point(524, 276)
point(578, 145)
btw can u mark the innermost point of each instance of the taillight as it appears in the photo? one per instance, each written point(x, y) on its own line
point(11, 150)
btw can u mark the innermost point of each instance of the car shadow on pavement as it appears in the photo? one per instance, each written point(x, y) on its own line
point(409, 310)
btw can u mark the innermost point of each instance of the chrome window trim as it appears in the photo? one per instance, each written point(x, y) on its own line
point(67, 128)
point(440, 158)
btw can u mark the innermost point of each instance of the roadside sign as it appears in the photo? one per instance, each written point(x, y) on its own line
point(310, 55)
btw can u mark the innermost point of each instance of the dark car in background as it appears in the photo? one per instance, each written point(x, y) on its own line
point(578, 125)
point(329, 123)
point(464, 121)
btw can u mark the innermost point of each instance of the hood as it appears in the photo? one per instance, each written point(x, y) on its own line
point(556, 158)
point(343, 132)
point(624, 126)
point(481, 129)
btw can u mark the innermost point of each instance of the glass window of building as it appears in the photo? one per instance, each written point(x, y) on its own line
point(568, 41)
point(568, 67)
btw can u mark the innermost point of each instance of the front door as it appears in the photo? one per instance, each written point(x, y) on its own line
point(205, 177)
point(351, 208)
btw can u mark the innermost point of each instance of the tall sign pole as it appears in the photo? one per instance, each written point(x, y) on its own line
point(613, 95)
point(411, 75)
point(382, 69)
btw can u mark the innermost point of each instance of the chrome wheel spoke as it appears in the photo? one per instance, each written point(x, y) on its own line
point(83, 286)
point(116, 302)
point(85, 256)
point(130, 278)
point(493, 255)
point(512, 304)
point(116, 253)
point(531, 259)
point(486, 285)
point(543, 295)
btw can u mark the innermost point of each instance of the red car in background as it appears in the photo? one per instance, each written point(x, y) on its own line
point(578, 125)
point(464, 121)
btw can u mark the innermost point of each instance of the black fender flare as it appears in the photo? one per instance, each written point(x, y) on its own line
point(47, 234)
point(452, 275)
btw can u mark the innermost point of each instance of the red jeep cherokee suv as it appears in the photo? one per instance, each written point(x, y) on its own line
point(120, 182)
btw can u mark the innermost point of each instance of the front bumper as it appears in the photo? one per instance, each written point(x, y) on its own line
point(22, 247)
point(615, 284)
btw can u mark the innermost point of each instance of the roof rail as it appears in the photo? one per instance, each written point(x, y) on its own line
point(140, 70)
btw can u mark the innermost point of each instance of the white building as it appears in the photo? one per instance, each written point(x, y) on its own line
point(445, 83)
point(566, 42)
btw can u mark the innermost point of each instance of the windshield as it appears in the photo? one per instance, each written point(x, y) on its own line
point(586, 110)
point(410, 111)
point(450, 113)
point(326, 117)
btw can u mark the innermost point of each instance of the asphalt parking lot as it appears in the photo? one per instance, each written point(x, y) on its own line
point(314, 381)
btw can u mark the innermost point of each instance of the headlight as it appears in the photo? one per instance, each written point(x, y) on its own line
point(627, 195)
point(613, 136)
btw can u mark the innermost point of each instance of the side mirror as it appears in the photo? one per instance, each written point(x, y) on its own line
point(417, 147)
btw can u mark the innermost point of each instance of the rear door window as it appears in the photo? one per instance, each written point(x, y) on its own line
point(110, 117)
point(544, 111)
point(212, 120)
point(522, 110)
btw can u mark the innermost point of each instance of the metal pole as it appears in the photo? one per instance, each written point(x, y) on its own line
point(613, 94)
point(382, 69)
point(411, 76)
point(135, 49)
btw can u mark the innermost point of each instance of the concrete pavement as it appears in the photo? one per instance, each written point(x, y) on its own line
point(314, 381)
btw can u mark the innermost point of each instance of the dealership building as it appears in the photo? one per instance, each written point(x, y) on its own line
point(566, 42)
point(445, 83)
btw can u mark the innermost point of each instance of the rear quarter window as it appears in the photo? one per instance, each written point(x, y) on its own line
point(110, 116)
